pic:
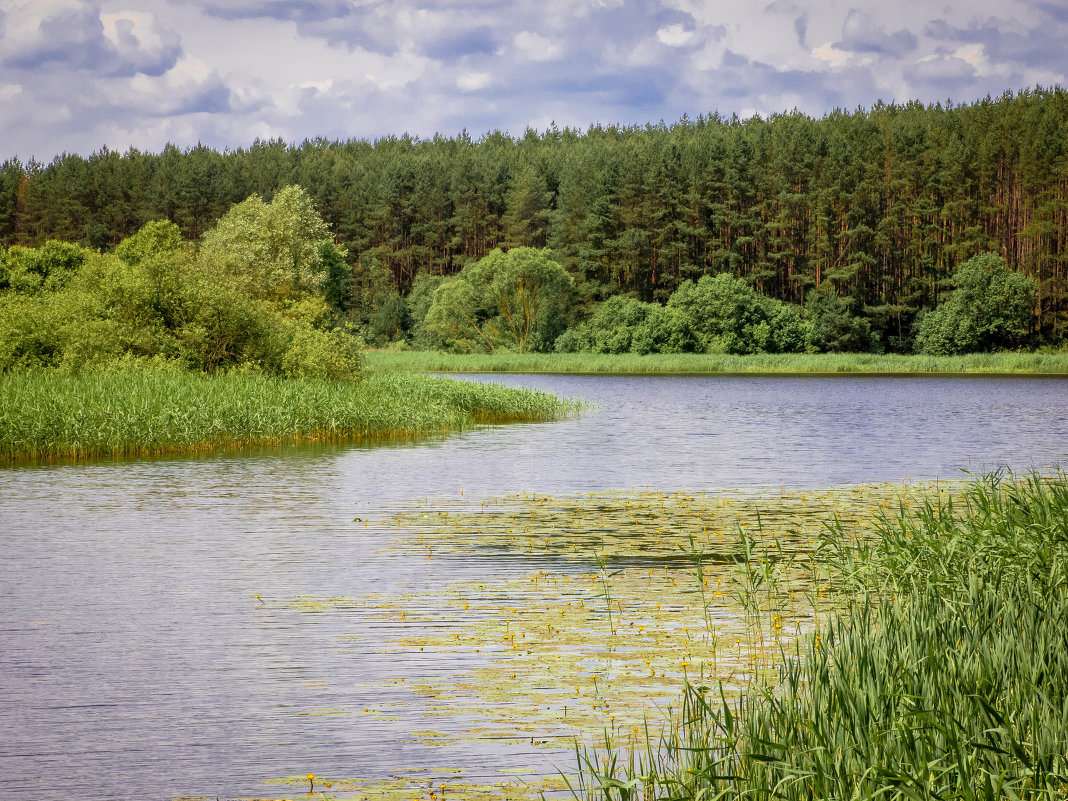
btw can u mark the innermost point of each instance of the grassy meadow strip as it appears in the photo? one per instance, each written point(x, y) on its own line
point(126, 413)
point(1052, 364)
point(946, 678)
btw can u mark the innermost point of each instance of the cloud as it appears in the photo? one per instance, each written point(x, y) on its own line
point(81, 38)
point(473, 81)
point(831, 54)
point(437, 29)
point(451, 44)
point(537, 48)
point(113, 114)
point(941, 71)
point(1009, 40)
point(1058, 12)
point(75, 74)
point(289, 10)
point(861, 34)
point(675, 35)
point(798, 14)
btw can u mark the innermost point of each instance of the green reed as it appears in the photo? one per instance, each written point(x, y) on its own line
point(141, 412)
point(699, 363)
point(944, 675)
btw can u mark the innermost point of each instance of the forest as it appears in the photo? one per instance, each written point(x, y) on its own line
point(842, 233)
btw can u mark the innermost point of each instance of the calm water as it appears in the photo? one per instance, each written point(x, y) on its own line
point(135, 665)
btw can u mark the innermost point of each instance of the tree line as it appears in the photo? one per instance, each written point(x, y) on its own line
point(857, 221)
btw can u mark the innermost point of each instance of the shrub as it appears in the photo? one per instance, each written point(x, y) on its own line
point(991, 309)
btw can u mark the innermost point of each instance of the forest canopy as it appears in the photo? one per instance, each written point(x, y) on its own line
point(843, 233)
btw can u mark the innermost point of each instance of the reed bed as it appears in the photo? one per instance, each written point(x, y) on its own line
point(1050, 364)
point(945, 678)
point(47, 416)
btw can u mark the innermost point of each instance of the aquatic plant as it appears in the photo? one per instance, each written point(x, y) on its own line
point(527, 658)
point(150, 411)
point(946, 677)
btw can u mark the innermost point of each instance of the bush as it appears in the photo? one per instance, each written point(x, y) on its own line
point(612, 326)
point(991, 309)
point(726, 315)
point(74, 310)
point(48, 267)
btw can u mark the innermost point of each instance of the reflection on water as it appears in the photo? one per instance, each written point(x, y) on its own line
point(136, 663)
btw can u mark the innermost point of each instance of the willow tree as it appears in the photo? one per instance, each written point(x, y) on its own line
point(279, 250)
point(517, 299)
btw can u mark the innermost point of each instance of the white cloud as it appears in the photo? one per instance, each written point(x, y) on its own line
point(975, 55)
point(189, 70)
point(833, 56)
point(140, 25)
point(675, 36)
point(537, 48)
point(710, 56)
point(473, 81)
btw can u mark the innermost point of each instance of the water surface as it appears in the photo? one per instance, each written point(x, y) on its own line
point(135, 663)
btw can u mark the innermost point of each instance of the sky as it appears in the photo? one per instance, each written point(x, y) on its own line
point(79, 76)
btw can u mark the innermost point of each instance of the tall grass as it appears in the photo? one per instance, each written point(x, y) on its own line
point(140, 412)
point(681, 363)
point(946, 678)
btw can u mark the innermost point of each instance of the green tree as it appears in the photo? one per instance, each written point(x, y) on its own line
point(390, 321)
point(528, 209)
point(12, 180)
point(48, 267)
point(453, 320)
point(524, 294)
point(517, 299)
point(665, 329)
point(833, 326)
point(418, 303)
point(990, 309)
point(155, 238)
point(612, 327)
point(277, 249)
point(727, 315)
point(155, 299)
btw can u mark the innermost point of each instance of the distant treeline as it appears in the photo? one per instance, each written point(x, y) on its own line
point(873, 209)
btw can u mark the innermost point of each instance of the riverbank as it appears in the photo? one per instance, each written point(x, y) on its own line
point(1048, 364)
point(46, 416)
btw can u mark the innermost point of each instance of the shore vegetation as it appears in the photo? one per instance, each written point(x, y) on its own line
point(253, 296)
point(385, 360)
point(132, 410)
point(944, 676)
point(164, 347)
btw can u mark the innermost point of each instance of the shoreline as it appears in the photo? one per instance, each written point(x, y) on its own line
point(1005, 365)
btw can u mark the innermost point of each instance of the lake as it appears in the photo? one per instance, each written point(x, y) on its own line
point(137, 663)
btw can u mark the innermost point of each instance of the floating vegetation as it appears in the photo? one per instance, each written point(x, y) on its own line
point(603, 607)
point(416, 787)
point(635, 594)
